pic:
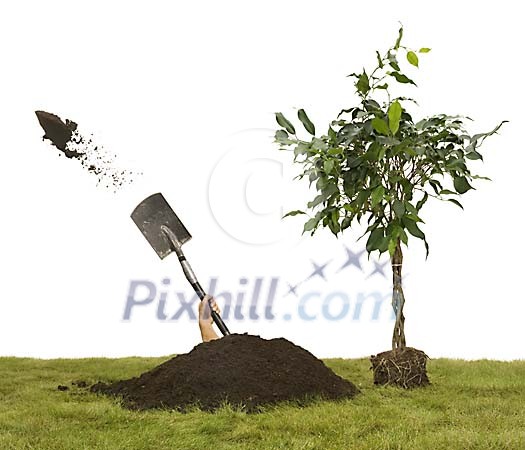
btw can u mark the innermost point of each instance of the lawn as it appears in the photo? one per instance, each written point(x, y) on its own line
point(470, 405)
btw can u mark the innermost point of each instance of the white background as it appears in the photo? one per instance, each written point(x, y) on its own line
point(186, 92)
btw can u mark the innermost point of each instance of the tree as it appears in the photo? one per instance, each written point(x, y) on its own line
point(376, 163)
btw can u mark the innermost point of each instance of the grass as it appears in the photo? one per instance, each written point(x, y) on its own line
point(470, 405)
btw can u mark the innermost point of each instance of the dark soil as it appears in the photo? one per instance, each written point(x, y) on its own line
point(242, 370)
point(405, 367)
point(58, 132)
point(66, 137)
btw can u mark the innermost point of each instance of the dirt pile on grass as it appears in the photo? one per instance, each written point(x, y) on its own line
point(239, 369)
point(405, 367)
point(66, 137)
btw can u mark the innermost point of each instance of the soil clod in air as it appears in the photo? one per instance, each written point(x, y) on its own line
point(67, 138)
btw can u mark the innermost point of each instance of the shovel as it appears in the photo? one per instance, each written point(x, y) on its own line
point(166, 234)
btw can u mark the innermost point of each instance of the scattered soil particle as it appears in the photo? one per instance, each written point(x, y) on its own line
point(405, 367)
point(61, 387)
point(66, 137)
point(243, 370)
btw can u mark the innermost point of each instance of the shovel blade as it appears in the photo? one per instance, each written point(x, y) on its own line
point(149, 216)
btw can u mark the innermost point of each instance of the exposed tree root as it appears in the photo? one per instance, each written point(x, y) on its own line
point(404, 367)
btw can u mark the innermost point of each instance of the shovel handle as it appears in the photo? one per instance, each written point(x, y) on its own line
point(216, 317)
point(191, 277)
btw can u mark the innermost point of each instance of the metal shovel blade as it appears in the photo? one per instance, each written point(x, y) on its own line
point(150, 215)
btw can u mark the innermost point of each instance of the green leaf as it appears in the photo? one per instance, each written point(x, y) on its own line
point(380, 126)
point(447, 192)
point(436, 185)
point(379, 60)
point(395, 65)
point(335, 151)
point(412, 58)
point(363, 85)
point(308, 125)
point(453, 200)
point(282, 137)
point(400, 36)
point(411, 208)
point(328, 165)
point(284, 122)
point(334, 227)
point(300, 149)
point(408, 187)
point(333, 223)
point(332, 135)
point(394, 116)
point(399, 208)
point(478, 177)
point(281, 134)
point(316, 201)
point(375, 239)
point(383, 245)
point(346, 223)
point(310, 225)
point(377, 195)
point(403, 236)
point(402, 78)
point(461, 185)
point(412, 228)
point(392, 247)
point(293, 213)
point(372, 106)
point(330, 189)
point(319, 144)
point(421, 202)
point(321, 184)
point(362, 197)
point(474, 155)
point(424, 50)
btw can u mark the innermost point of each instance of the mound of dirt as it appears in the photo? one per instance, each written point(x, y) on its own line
point(66, 137)
point(242, 370)
point(405, 367)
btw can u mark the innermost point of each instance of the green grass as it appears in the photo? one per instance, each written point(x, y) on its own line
point(470, 405)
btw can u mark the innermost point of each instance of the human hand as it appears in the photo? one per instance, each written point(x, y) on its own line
point(205, 319)
point(205, 312)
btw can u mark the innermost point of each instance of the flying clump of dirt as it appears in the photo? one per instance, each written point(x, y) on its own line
point(66, 137)
point(242, 370)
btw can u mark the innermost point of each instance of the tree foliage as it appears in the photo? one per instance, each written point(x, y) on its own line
point(376, 163)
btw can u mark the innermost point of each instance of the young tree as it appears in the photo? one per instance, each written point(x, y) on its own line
point(376, 163)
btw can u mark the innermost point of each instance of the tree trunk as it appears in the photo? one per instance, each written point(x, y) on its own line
point(398, 299)
point(402, 366)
